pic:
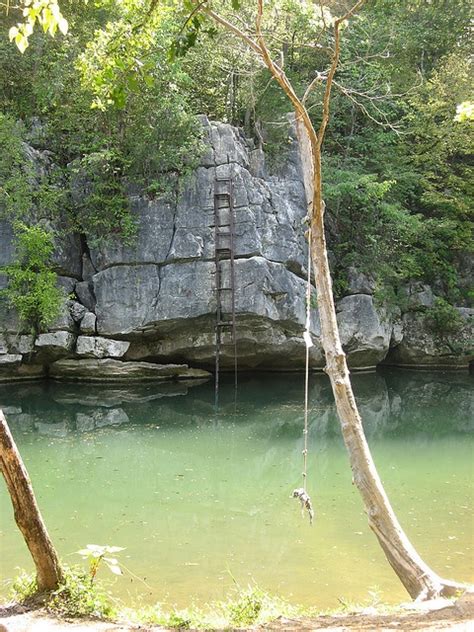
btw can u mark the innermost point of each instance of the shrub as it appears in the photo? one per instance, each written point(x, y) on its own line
point(32, 288)
point(443, 318)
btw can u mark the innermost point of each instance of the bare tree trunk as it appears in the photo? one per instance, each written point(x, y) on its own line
point(27, 514)
point(419, 580)
point(417, 577)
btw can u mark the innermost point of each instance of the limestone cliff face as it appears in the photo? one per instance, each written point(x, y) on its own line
point(156, 300)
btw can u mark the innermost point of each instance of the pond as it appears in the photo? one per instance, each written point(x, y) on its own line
point(200, 498)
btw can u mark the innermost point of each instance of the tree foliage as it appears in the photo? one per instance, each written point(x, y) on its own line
point(32, 288)
point(117, 96)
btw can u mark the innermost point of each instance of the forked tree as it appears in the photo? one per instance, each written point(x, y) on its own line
point(419, 579)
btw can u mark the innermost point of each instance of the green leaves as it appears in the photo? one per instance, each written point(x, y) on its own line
point(464, 112)
point(44, 12)
point(96, 554)
point(32, 288)
point(187, 36)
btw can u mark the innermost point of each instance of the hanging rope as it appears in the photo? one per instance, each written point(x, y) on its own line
point(301, 492)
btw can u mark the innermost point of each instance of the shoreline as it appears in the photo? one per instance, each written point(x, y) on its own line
point(439, 614)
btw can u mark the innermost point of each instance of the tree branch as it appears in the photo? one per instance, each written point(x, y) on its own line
point(332, 70)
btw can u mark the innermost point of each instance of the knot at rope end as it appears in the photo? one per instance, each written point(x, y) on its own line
point(305, 502)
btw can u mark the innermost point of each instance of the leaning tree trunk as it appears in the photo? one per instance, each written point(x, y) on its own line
point(27, 514)
point(419, 580)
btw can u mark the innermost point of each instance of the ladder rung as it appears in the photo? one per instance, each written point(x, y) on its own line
point(223, 179)
point(218, 289)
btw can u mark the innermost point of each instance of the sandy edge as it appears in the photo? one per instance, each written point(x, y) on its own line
point(429, 616)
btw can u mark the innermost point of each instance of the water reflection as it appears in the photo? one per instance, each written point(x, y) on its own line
point(390, 402)
point(191, 491)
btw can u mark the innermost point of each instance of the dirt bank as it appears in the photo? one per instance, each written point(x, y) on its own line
point(458, 617)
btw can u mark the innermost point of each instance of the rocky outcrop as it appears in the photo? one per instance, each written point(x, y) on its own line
point(97, 347)
point(365, 332)
point(422, 347)
point(155, 300)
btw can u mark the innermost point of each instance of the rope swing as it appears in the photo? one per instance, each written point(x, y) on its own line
point(301, 492)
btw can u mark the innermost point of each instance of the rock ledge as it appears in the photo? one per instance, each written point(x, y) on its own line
point(105, 370)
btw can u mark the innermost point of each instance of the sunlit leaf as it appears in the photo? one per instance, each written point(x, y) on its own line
point(22, 42)
point(63, 25)
point(12, 33)
point(116, 570)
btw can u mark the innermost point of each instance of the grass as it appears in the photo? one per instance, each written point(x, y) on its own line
point(246, 607)
point(79, 597)
point(76, 597)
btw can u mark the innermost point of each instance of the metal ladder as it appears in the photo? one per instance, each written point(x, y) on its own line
point(224, 241)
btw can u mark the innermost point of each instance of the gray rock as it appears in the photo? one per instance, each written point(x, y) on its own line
point(23, 344)
point(136, 298)
point(418, 296)
point(359, 283)
point(155, 221)
point(10, 359)
point(422, 347)
point(100, 419)
point(64, 321)
point(397, 333)
point(167, 303)
point(365, 334)
point(52, 430)
point(88, 323)
point(67, 253)
point(9, 321)
point(268, 213)
point(22, 372)
point(84, 294)
point(97, 347)
point(57, 343)
point(23, 421)
point(88, 269)
point(77, 311)
point(92, 370)
point(3, 345)
point(466, 313)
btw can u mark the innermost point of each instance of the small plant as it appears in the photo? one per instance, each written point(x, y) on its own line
point(247, 608)
point(96, 554)
point(79, 597)
point(32, 288)
point(75, 597)
point(24, 587)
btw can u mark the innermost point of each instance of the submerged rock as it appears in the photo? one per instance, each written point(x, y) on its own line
point(114, 370)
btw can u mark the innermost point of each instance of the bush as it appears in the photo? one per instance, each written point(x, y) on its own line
point(76, 597)
point(443, 318)
point(32, 288)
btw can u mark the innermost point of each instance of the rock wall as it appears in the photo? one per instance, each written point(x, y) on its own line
point(155, 301)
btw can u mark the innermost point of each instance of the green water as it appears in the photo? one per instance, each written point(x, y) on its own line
point(198, 497)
